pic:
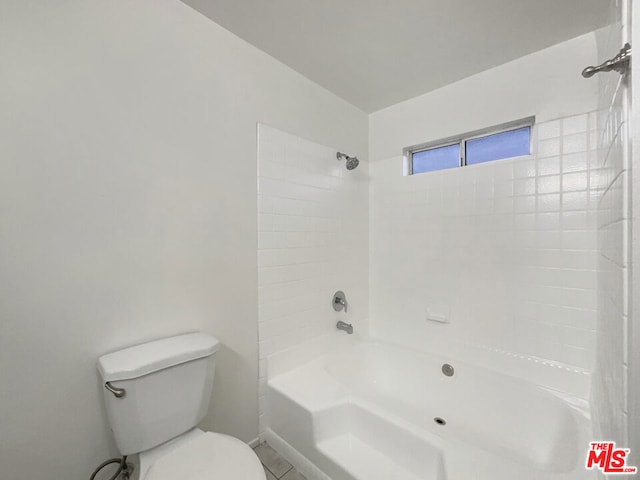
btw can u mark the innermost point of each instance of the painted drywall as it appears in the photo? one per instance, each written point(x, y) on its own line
point(547, 84)
point(376, 54)
point(128, 208)
point(313, 240)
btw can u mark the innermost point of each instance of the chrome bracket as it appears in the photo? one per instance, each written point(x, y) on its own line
point(118, 392)
point(619, 63)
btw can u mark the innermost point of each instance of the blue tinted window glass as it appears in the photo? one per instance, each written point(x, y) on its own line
point(436, 159)
point(500, 145)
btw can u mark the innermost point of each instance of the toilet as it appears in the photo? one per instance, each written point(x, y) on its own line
point(155, 395)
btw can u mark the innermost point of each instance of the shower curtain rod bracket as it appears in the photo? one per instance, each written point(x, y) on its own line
point(619, 63)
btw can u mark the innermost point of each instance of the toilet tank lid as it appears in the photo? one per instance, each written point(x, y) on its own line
point(139, 360)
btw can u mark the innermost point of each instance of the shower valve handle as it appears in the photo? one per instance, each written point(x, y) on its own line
point(340, 301)
point(343, 303)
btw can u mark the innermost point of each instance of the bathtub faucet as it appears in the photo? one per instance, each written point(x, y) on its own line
point(347, 327)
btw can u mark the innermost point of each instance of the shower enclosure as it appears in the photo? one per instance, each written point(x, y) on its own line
point(513, 276)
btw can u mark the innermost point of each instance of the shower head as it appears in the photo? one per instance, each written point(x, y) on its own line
point(351, 162)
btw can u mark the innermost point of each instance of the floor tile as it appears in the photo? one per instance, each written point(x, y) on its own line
point(268, 474)
point(272, 460)
point(293, 474)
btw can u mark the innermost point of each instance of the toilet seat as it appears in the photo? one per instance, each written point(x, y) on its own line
point(210, 456)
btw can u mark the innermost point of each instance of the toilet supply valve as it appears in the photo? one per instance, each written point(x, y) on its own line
point(124, 470)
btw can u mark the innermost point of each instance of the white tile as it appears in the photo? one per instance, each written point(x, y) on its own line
point(574, 162)
point(575, 124)
point(575, 201)
point(549, 148)
point(548, 221)
point(524, 204)
point(523, 168)
point(574, 181)
point(578, 142)
point(548, 184)
point(577, 220)
point(524, 186)
point(549, 166)
point(548, 129)
point(548, 202)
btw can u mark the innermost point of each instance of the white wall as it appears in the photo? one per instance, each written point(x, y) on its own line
point(546, 83)
point(313, 240)
point(128, 208)
point(610, 407)
point(505, 250)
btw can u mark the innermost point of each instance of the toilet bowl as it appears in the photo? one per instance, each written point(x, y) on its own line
point(155, 395)
point(199, 455)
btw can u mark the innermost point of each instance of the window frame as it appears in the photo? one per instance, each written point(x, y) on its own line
point(461, 140)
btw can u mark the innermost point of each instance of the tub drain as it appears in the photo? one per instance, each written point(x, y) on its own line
point(440, 421)
point(447, 370)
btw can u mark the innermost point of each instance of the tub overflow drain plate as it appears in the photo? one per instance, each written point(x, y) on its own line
point(440, 421)
point(447, 370)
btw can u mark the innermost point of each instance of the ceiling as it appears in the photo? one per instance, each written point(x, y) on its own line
point(374, 53)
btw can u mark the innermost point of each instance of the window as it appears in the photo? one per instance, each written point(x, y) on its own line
point(495, 143)
point(436, 158)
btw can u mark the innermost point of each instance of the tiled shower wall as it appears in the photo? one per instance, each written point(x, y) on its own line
point(505, 251)
point(312, 241)
point(609, 390)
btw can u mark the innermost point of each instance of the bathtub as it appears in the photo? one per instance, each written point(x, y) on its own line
point(372, 411)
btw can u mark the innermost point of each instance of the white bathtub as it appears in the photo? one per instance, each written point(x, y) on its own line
point(367, 413)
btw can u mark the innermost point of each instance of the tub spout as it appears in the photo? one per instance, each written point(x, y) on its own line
point(347, 327)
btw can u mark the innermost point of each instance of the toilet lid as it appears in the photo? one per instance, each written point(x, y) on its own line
point(211, 456)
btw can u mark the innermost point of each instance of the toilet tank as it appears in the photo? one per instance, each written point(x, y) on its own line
point(167, 387)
